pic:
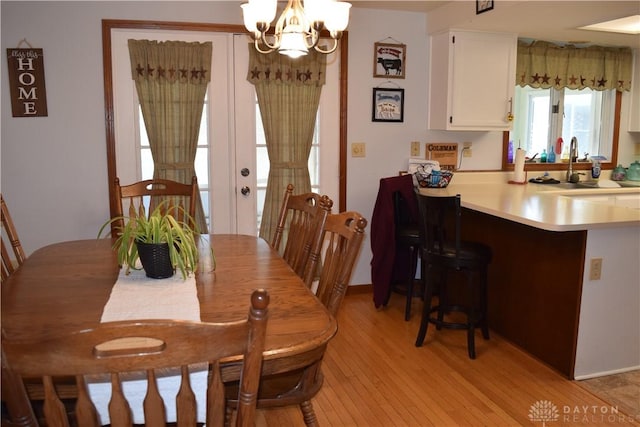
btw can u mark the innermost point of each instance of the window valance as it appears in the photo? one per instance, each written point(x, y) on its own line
point(309, 69)
point(170, 61)
point(542, 64)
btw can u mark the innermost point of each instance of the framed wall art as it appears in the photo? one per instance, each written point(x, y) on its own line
point(483, 6)
point(389, 60)
point(388, 105)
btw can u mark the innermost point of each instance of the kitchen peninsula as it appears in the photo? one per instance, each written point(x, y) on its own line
point(541, 294)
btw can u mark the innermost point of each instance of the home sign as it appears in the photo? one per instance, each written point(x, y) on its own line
point(26, 82)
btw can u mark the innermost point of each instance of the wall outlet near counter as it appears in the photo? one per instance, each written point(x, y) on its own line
point(595, 270)
point(466, 149)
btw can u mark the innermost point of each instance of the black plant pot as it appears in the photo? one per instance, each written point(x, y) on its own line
point(155, 259)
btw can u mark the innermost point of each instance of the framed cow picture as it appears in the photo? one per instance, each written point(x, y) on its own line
point(389, 60)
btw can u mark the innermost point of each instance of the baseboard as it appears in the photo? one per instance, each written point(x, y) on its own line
point(605, 373)
point(359, 289)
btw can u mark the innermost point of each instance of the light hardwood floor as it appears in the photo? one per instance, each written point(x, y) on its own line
point(375, 376)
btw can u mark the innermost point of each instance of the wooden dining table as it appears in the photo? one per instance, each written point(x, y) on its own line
point(63, 287)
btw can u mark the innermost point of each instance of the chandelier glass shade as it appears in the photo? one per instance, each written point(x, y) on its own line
point(298, 28)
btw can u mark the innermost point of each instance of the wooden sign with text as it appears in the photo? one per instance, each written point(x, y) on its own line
point(26, 82)
point(445, 153)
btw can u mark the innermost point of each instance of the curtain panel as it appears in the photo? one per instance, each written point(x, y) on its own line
point(171, 81)
point(288, 92)
point(544, 65)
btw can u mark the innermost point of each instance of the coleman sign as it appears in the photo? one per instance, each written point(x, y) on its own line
point(26, 82)
point(445, 153)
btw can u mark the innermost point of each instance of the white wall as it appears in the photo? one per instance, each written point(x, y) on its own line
point(53, 169)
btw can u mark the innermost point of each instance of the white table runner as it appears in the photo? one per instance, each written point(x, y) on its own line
point(134, 297)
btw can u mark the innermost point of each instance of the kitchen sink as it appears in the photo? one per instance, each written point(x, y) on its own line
point(581, 185)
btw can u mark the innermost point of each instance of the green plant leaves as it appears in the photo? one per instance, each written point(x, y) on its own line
point(159, 227)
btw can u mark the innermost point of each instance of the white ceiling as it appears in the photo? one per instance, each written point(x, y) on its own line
point(542, 20)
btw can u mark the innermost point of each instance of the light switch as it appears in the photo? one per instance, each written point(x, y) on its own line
point(415, 148)
point(358, 149)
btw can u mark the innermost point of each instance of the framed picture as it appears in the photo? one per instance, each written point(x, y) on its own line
point(483, 6)
point(389, 60)
point(388, 105)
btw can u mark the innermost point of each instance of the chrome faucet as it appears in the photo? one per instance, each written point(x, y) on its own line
point(573, 147)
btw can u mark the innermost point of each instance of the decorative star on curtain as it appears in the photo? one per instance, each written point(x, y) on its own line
point(542, 64)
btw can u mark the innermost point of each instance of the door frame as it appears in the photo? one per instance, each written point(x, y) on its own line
point(109, 24)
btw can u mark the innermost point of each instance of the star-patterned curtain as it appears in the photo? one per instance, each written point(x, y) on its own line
point(288, 92)
point(171, 80)
point(542, 64)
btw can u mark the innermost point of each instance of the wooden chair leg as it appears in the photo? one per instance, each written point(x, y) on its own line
point(308, 414)
point(228, 416)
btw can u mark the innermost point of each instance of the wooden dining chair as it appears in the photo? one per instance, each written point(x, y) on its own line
point(10, 260)
point(336, 251)
point(134, 197)
point(158, 345)
point(299, 224)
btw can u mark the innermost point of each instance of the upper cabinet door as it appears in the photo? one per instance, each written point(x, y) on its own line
point(471, 80)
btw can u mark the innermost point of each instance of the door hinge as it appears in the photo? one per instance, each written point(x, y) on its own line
point(453, 39)
point(450, 119)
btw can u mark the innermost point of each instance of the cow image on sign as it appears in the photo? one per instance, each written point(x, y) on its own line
point(389, 60)
point(26, 82)
point(446, 153)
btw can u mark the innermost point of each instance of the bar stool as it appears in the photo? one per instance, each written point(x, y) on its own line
point(443, 250)
point(407, 236)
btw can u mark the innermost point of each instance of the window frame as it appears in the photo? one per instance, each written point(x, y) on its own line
point(506, 166)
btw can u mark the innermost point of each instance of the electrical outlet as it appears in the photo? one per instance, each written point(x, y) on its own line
point(358, 149)
point(415, 148)
point(466, 149)
point(596, 269)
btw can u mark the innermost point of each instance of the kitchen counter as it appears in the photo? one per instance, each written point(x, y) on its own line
point(542, 296)
point(546, 206)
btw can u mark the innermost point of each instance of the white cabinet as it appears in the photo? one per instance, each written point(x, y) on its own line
point(471, 80)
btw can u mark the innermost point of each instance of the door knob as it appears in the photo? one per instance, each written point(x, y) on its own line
point(245, 190)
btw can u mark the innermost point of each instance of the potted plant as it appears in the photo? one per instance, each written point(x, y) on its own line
point(161, 242)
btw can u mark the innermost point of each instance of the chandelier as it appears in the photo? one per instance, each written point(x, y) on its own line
point(298, 28)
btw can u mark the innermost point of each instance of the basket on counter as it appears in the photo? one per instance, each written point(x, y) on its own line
point(433, 179)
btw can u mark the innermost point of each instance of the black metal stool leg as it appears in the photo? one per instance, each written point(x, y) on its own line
point(426, 307)
point(472, 318)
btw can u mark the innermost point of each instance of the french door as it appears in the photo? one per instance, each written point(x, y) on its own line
point(231, 161)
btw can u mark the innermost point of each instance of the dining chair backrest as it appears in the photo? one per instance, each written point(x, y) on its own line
point(179, 198)
point(158, 345)
point(336, 253)
point(300, 223)
point(333, 255)
point(13, 258)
